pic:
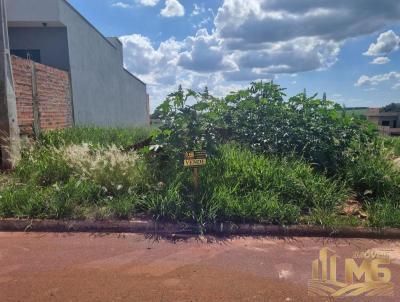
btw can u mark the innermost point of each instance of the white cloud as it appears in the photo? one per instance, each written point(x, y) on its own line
point(247, 75)
point(369, 81)
point(259, 21)
point(203, 23)
point(293, 56)
point(153, 65)
point(200, 11)
point(386, 43)
point(380, 60)
point(121, 5)
point(197, 10)
point(256, 39)
point(204, 54)
point(156, 66)
point(148, 2)
point(285, 36)
point(173, 9)
point(396, 86)
point(159, 68)
point(139, 2)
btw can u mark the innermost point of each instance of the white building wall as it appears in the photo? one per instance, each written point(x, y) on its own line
point(104, 93)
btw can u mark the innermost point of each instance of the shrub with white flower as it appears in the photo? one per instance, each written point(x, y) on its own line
point(118, 172)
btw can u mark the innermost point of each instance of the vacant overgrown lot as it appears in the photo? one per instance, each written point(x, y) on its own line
point(271, 160)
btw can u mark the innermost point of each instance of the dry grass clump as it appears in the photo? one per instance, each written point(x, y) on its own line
point(112, 168)
point(75, 181)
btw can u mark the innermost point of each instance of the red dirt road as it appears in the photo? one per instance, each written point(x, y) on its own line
point(130, 267)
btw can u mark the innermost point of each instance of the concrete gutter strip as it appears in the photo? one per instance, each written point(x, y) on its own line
point(112, 226)
point(222, 229)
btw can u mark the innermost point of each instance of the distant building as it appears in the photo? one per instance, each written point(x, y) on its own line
point(53, 33)
point(388, 122)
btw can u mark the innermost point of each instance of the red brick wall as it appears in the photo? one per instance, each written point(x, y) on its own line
point(53, 90)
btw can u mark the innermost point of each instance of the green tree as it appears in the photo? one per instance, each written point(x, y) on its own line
point(259, 117)
point(393, 107)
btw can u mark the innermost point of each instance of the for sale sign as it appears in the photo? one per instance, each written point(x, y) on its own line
point(195, 159)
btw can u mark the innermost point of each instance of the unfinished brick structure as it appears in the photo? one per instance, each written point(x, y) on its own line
point(43, 96)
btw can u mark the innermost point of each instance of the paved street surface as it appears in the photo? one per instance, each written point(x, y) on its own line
point(129, 267)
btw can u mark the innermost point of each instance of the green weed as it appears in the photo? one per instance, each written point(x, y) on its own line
point(392, 143)
point(384, 213)
point(240, 186)
point(96, 136)
point(372, 174)
point(24, 201)
point(254, 187)
point(43, 166)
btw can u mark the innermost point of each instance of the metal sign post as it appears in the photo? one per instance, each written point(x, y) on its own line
point(195, 159)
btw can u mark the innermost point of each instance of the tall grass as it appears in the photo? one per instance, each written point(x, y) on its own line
point(242, 186)
point(116, 171)
point(86, 173)
point(5, 180)
point(393, 144)
point(43, 166)
point(374, 178)
point(372, 174)
point(97, 136)
point(384, 213)
point(75, 181)
point(24, 201)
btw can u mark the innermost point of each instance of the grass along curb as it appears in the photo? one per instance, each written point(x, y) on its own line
point(220, 229)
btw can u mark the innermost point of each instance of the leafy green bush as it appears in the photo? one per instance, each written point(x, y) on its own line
point(96, 136)
point(316, 130)
point(188, 127)
point(271, 159)
point(393, 107)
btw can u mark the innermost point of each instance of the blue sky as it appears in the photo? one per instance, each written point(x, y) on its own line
point(323, 46)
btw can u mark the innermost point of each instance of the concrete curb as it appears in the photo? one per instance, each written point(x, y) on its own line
point(222, 229)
